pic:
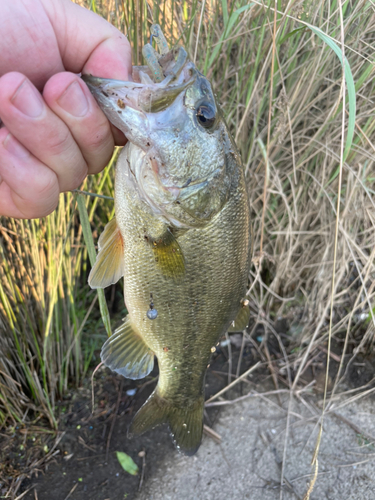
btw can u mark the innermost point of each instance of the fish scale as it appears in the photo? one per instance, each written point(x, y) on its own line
point(181, 239)
point(215, 257)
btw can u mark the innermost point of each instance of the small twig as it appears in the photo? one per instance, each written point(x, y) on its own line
point(114, 419)
point(232, 384)
point(81, 440)
point(71, 491)
point(80, 459)
point(142, 454)
point(212, 434)
point(354, 464)
point(313, 480)
point(355, 428)
point(272, 369)
point(229, 356)
point(92, 387)
point(24, 493)
point(334, 356)
point(251, 394)
point(354, 398)
point(93, 195)
point(241, 355)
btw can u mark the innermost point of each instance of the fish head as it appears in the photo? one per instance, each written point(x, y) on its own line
point(181, 150)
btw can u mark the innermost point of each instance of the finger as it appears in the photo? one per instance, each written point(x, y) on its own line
point(120, 139)
point(58, 35)
point(28, 42)
point(88, 43)
point(70, 99)
point(44, 134)
point(28, 189)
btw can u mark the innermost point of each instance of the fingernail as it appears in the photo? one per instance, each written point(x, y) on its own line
point(14, 147)
point(74, 101)
point(28, 100)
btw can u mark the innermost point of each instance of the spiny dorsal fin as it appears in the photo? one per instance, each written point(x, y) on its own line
point(242, 320)
point(109, 264)
point(186, 424)
point(168, 255)
point(126, 353)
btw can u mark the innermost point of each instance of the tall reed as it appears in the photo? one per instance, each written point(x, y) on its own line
point(46, 340)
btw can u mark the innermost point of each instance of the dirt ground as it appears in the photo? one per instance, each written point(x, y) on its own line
point(246, 463)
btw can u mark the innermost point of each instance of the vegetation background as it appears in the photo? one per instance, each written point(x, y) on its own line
point(282, 91)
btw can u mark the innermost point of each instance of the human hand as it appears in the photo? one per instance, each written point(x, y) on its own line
point(51, 141)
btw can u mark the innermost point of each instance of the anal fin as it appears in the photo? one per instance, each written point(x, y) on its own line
point(242, 320)
point(126, 353)
point(109, 264)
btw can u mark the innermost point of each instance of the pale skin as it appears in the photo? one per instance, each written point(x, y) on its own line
point(53, 132)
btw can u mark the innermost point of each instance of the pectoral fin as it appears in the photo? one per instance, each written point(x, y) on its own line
point(168, 255)
point(109, 264)
point(242, 320)
point(126, 353)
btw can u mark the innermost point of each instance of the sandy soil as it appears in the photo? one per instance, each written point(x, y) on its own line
point(247, 464)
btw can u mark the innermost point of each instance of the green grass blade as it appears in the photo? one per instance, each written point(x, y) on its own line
point(350, 86)
point(232, 20)
point(86, 229)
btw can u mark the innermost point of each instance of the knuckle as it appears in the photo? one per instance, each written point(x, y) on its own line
point(98, 148)
point(100, 138)
point(59, 142)
point(75, 178)
point(44, 199)
point(41, 211)
point(72, 167)
point(46, 186)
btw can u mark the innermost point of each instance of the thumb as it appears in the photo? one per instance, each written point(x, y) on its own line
point(87, 42)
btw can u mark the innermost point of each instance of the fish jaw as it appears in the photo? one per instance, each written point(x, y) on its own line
point(183, 173)
point(118, 100)
point(127, 104)
point(169, 112)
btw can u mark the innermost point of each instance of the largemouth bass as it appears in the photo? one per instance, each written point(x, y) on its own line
point(180, 237)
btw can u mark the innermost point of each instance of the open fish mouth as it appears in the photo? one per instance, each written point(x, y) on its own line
point(154, 87)
point(169, 114)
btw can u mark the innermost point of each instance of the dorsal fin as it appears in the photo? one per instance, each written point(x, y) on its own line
point(109, 264)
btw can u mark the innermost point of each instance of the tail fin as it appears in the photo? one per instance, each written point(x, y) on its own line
point(186, 424)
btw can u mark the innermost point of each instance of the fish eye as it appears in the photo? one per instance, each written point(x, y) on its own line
point(206, 115)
